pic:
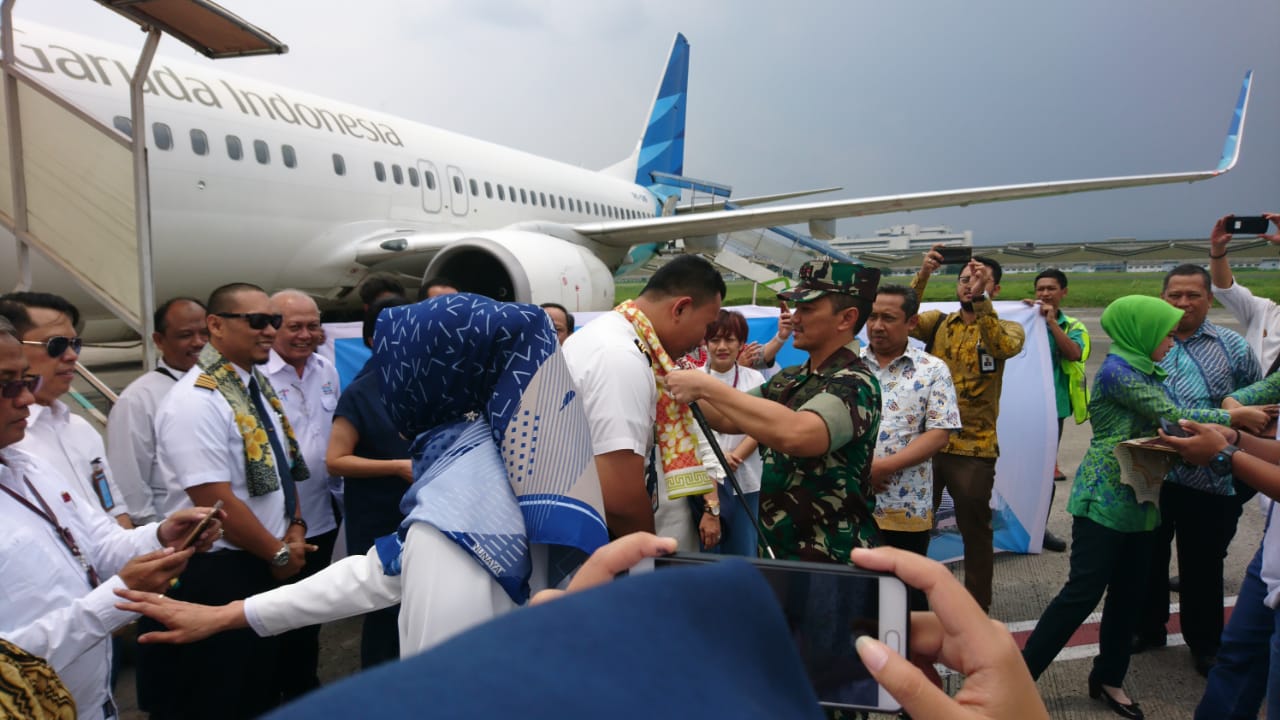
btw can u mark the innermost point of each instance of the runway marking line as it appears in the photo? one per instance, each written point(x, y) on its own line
point(1084, 641)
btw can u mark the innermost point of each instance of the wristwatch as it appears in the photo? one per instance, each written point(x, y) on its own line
point(281, 558)
point(1221, 463)
point(713, 508)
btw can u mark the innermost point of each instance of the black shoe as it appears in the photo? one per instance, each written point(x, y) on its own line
point(1053, 543)
point(1203, 663)
point(1147, 641)
point(1175, 583)
point(1131, 710)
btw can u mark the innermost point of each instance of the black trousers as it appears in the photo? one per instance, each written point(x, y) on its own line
point(1102, 560)
point(228, 675)
point(918, 543)
point(300, 649)
point(1203, 524)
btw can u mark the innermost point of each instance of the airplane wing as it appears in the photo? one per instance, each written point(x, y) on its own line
point(626, 233)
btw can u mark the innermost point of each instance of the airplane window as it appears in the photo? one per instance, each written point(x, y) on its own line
point(430, 178)
point(501, 195)
point(457, 184)
point(488, 189)
point(579, 202)
point(512, 192)
point(380, 171)
point(339, 164)
point(123, 124)
point(413, 176)
point(290, 157)
point(524, 199)
point(163, 136)
point(475, 188)
point(261, 152)
point(561, 201)
point(234, 150)
point(199, 142)
point(543, 196)
point(397, 174)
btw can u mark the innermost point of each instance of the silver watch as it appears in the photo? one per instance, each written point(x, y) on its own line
point(281, 558)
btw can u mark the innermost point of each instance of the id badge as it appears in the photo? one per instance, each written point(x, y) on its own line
point(986, 363)
point(100, 484)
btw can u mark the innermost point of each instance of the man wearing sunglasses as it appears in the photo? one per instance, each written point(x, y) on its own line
point(62, 559)
point(221, 434)
point(65, 441)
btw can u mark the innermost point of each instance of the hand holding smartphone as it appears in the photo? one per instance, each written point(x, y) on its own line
point(1173, 429)
point(200, 527)
point(827, 608)
point(1248, 225)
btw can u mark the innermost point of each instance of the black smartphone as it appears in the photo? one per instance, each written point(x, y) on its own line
point(827, 608)
point(955, 255)
point(1248, 225)
point(1173, 429)
point(201, 526)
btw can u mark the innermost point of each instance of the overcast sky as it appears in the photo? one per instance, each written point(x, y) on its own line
point(877, 97)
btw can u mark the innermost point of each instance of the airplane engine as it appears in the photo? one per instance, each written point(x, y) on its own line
point(519, 266)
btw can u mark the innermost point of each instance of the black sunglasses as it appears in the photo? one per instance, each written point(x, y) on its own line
point(257, 321)
point(58, 344)
point(11, 389)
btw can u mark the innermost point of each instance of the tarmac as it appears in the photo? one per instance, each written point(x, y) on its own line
point(1162, 681)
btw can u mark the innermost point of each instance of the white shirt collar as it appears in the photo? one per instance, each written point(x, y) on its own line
point(57, 413)
point(874, 362)
point(275, 364)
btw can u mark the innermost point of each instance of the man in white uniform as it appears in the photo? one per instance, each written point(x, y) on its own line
point(62, 558)
point(131, 433)
point(620, 394)
point(66, 442)
point(222, 435)
point(1259, 315)
point(307, 385)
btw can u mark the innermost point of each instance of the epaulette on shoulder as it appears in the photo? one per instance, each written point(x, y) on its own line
point(206, 381)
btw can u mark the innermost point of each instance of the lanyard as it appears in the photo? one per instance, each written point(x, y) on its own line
point(46, 513)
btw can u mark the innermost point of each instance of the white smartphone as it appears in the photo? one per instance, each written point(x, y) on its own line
point(827, 608)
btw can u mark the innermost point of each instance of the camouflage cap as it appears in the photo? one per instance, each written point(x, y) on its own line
point(819, 277)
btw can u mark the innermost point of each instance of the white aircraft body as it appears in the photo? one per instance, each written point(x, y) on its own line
point(265, 184)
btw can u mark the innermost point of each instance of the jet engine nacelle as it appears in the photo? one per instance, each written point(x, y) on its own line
point(519, 266)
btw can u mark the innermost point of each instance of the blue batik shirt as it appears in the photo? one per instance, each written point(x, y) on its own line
point(1203, 370)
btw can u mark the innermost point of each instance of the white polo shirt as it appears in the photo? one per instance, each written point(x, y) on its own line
point(49, 608)
point(1260, 316)
point(309, 402)
point(131, 441)
point(197, 443)
point(70, 446)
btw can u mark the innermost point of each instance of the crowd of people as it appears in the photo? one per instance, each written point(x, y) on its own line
point(478, 467)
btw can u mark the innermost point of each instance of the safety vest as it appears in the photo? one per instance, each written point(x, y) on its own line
point(1077, 383)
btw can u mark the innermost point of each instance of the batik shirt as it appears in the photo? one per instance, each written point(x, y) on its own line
point(962, 345)
point(917, 395)
point(1203, 369)
point(1126, 404)
point(820, 508)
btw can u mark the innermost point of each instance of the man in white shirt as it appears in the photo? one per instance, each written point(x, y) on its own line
point(222, 435)
point(62, 558)
point(620, 394)
point(918, 413)
point(1260, 316)
point(180, 335)
point(307, 385)
point(65, 441)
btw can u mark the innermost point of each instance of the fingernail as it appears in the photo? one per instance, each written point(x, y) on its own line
point(873, 653)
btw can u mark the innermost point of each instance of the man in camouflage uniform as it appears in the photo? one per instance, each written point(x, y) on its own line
point(816, 422)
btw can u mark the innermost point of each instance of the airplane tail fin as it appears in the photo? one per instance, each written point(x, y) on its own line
point(661, 147)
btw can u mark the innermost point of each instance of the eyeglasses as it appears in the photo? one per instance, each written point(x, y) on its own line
point(257, 321)
point(58, 344)
point(11, 389)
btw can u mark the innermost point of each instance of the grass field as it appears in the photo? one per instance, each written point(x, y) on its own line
point(1087, 290)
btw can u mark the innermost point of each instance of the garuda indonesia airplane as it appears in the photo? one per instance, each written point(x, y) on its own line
point(265, 184)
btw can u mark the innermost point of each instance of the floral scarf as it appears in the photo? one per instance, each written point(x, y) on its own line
point(259, 467)
point(678, 435)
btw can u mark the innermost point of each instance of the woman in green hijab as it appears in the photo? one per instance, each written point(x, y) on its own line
point(1112, 533)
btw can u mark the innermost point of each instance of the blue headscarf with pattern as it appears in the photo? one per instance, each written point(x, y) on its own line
point(501, 447)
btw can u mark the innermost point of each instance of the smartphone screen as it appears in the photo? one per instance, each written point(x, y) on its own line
point(1173, 429)
point(953, 255)
point(827, 608)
